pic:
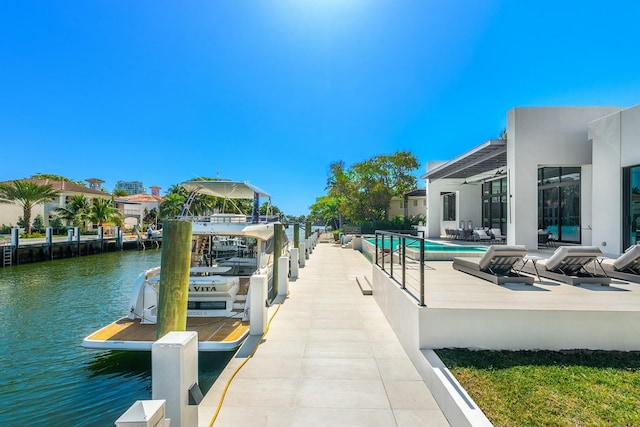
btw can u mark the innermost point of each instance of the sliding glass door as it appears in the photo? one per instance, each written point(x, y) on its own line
point(559, 202)
point(631, 206)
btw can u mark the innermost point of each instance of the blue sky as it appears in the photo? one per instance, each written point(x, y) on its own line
point(272, 92)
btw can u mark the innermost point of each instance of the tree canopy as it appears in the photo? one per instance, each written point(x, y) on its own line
point(363, 192)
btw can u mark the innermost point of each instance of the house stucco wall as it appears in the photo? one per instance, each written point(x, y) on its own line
point(468, 205)
point(539, 137)
point(616, 145)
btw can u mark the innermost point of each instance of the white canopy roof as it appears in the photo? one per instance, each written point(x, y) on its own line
point(224, 188)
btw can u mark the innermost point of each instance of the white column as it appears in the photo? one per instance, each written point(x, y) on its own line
point(303, 254)
point(174, 370)
point(295, 259)
point(258, 304)
point(283, 276)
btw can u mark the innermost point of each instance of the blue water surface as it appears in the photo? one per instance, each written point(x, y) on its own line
point(46, 309)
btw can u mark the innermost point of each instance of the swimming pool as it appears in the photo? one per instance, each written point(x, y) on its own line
point(433, 251)
point(431, 246)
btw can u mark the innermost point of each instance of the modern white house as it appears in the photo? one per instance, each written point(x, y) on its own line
point(573, 171)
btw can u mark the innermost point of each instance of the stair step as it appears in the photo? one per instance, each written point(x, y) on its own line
point(364, 285)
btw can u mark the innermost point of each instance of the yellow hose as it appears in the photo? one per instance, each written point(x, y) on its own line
point(226, 387)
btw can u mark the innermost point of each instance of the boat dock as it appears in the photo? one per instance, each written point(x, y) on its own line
point(329, 357)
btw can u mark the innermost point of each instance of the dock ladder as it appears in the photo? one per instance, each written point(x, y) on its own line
point(7, 254)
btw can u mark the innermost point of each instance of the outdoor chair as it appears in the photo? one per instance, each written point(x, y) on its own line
point(498, 236)
point(568, 264)
point(543, 238)
point(625, 267)
point(481, 235)
point(496, 265)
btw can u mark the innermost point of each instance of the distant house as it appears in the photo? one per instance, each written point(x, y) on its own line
point(10, 213)
point(412, 204)
point(133, 207)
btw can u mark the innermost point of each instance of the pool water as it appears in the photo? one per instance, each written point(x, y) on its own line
point(431, 246)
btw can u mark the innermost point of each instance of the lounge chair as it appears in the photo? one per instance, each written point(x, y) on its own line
point(496, 265)
point(568, 264)
point(481, 235)
point(497, 235)
point(626, 266)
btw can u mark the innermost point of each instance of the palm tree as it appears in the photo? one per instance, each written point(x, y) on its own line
point(103, 211)
point(75, 211)
point(27, 194)
point(171, 206)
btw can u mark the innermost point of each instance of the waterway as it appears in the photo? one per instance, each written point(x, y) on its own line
point(46, 309)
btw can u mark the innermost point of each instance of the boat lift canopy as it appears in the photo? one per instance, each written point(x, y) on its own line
point(225, 189)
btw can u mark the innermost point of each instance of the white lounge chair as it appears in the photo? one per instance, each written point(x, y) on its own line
point(496, 265)
point(626, 266)
point(568, 264)
point(481, 235)
point(497, 235)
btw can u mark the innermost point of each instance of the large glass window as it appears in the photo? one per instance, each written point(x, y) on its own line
point(448, 206)
point(559, 202)
point(631, 206)
point(494, 204)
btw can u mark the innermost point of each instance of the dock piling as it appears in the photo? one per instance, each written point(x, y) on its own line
point(175, 263)
point(174, 376)
point(258, 304)
point(295, 260)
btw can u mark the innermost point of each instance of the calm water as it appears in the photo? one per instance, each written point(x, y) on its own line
point(46, 309)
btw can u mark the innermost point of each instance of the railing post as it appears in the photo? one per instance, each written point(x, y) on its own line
point(391, 255)
point(382, 252)
point(404, 263)
point(377, 248)
point(422, 272)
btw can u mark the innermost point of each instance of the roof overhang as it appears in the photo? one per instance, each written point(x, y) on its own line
point(225, 189)
point(481, 159)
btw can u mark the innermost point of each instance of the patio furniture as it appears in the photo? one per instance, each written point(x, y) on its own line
point(543, 238)
point(625, 267)
point(481, 235)
point(496, 265)
point(498, 236)
point(568, 264)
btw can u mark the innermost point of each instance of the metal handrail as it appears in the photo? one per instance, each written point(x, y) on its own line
point(401, 250)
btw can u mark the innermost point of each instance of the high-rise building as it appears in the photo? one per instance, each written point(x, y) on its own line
point(131, 187)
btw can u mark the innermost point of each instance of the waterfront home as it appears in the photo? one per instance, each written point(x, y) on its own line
point(134, 207)
point(9, 213)
point(572, 171)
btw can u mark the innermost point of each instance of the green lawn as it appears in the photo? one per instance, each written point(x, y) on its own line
point(545, 388)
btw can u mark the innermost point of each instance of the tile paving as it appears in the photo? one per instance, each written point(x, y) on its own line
point(330, 358)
